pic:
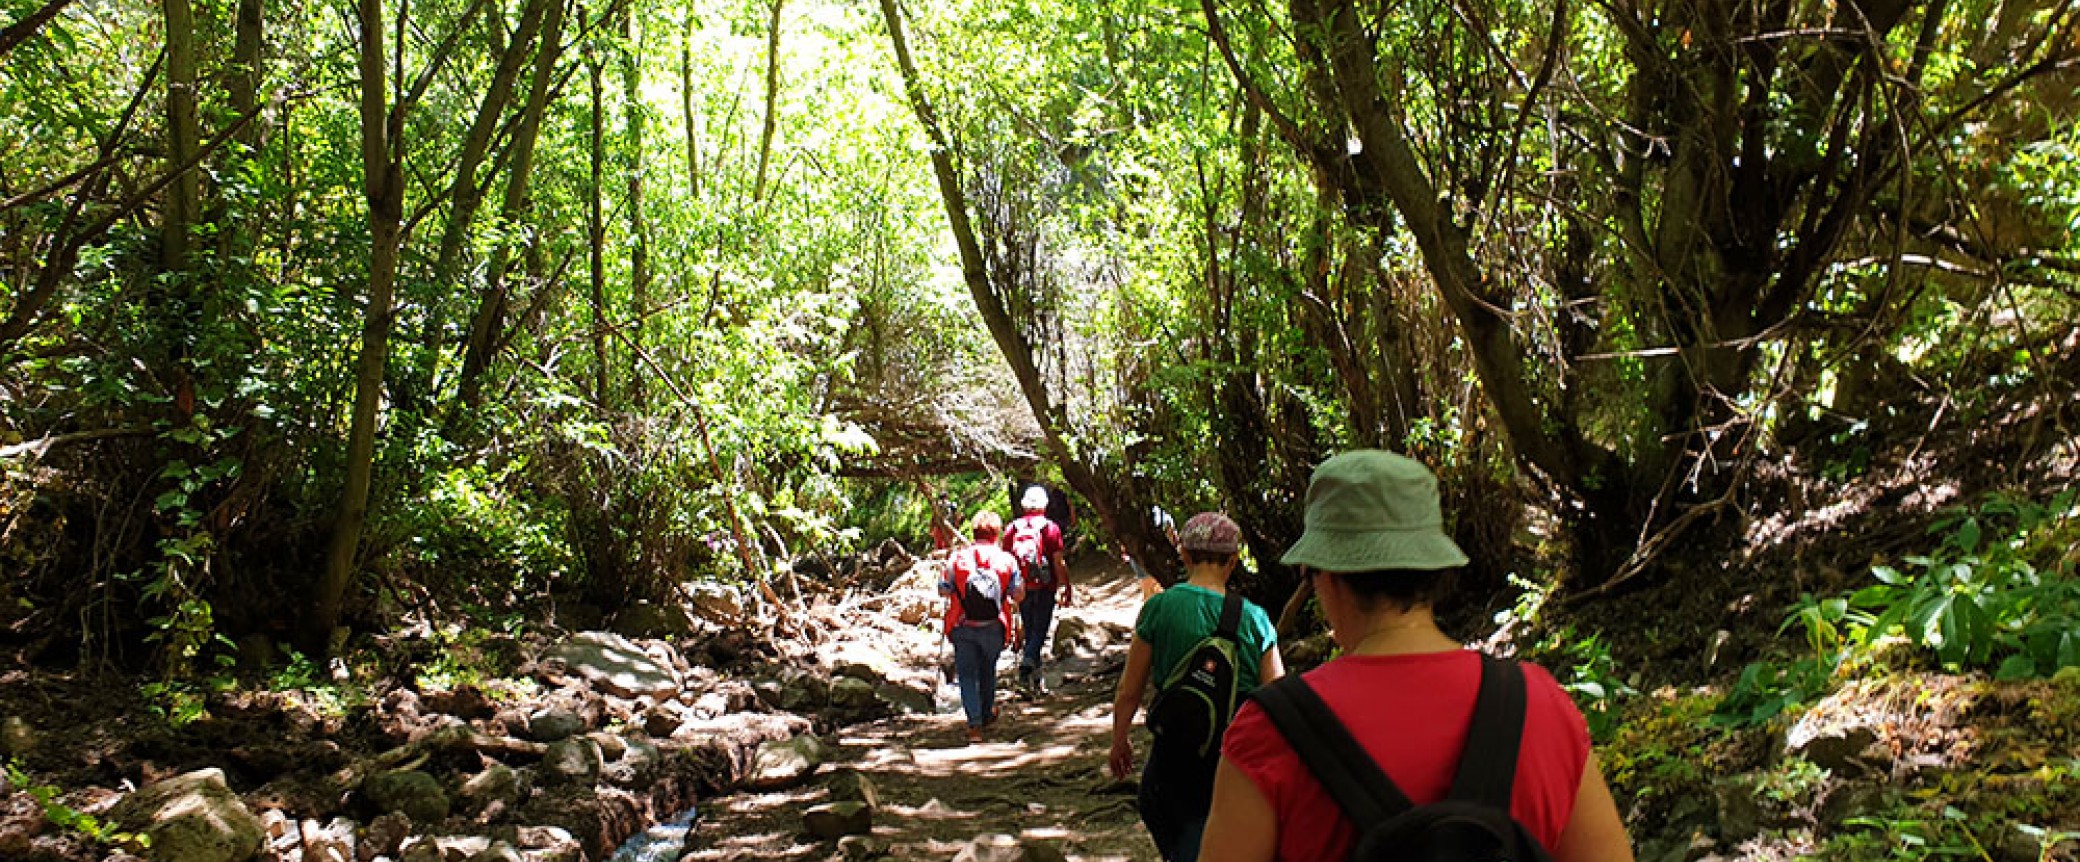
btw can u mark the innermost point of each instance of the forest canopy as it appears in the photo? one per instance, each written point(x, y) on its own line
point(312, 311)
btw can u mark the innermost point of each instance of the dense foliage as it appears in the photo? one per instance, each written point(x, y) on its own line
point(308, 316)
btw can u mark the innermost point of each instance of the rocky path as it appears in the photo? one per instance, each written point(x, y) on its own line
point(1035, 788)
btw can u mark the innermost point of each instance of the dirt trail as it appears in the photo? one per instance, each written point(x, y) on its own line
point(1039, 774)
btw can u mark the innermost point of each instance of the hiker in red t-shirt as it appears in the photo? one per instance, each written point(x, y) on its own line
point(1375, 548)
point(1036, 543)
point(982, 584)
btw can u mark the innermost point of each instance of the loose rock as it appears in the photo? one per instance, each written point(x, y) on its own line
point(833, 820)
point(193, 818)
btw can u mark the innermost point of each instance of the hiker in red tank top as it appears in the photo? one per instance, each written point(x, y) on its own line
point(980, 633)
point(1375, 549)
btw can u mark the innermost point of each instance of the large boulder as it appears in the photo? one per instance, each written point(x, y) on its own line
point(193, 817)
point(783, 764)
point(617, 666)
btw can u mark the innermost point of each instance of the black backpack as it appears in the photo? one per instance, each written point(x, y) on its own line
point(1471, 824)
point(1193, 705)
point(981, 593)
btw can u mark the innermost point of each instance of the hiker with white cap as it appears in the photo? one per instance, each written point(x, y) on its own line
point(1211, 647)
point(1036, 543)
point(1408, 741)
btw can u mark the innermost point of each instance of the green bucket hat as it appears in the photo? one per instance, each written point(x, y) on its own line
point(1370, 510)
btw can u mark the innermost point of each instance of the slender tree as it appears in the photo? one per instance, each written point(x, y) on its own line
point(382, 177)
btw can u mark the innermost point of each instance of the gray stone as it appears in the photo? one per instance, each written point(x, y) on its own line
point(572, 761)
point(384, 836)
point(497, 784)
point(852, 785)
point(546, 844)
point(193, 817)
point(611, 746)
point(613, 664)
point(1005, 848)
point(852, 693)
point(833, 820)
point(638, 761)
point(499, 851)
point(422, 850)
point(859, 671)
point(783, 764)
point(409, 792)
point(858, 848)
point(554, 723)
point(716, 601)
point(17, 739)
point(802, 691)
point(662, 721)
point(334, 842)
point(1071, 635)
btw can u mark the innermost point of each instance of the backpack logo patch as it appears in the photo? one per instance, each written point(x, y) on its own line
point(1193, 706)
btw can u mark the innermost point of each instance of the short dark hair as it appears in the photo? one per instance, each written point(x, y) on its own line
point(1402, 589)
point(1191, 556)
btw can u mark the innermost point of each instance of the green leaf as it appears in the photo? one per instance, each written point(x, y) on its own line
point(2017, 666)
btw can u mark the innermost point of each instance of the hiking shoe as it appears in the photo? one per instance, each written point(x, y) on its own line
point(974, 735)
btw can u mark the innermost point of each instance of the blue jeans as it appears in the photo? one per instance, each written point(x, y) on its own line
point(1037, 614)
point(975, 651)
point(1176, 791)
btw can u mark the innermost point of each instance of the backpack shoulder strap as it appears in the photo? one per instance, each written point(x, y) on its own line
point(1328, 750)
point(1231, 616)
point(1488, 767)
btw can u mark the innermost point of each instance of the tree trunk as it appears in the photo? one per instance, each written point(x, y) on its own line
point(488, 323)
point(382, 167)
point(184, 197)
point(638, 226)
point(465, 194)
point(772, 120)
point(247, 61)
point(596, 232)
point(693, 149)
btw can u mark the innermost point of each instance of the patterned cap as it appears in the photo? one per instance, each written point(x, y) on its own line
point(1212, 532)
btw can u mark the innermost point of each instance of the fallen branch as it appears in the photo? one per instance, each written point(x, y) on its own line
point(36, 449)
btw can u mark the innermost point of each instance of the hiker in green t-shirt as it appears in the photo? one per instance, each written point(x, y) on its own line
point(1177, 783)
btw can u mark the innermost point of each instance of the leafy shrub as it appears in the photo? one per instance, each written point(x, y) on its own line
point(1994, 593)
point(1997, 592)
point(65, 816)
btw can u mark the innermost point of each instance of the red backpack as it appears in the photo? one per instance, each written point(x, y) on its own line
point(1028, 539)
